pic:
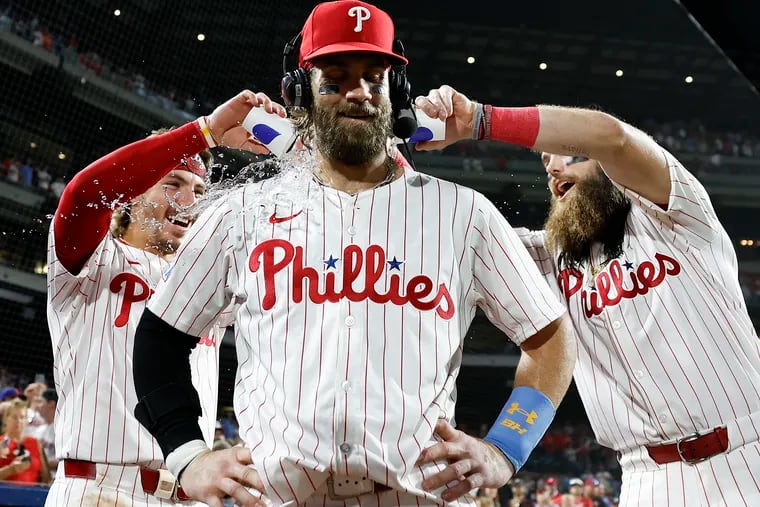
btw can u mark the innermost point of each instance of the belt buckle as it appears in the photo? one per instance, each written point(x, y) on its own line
point(343, 488)
point(684, 440)
point(166, 486)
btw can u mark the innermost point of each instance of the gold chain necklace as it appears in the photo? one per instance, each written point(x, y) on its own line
point(389, 176)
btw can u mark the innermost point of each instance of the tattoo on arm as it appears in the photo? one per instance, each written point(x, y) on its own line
point(575, 150)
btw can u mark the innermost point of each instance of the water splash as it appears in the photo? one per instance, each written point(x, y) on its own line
point(283, 181)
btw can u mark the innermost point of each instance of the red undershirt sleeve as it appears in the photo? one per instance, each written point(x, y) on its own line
point(84, 212)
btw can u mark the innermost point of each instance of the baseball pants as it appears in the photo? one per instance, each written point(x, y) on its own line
point(726, 480)
point(112, 485)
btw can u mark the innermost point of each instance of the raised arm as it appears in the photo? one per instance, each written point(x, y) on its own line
point(629, 156)
point(84, 212)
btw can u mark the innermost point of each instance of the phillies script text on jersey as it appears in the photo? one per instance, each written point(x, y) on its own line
point(610, 285)
point(418, 289)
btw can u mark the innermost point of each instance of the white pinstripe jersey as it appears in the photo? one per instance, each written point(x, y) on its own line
point(666, 345)
point(352, 314)
point(92, 318)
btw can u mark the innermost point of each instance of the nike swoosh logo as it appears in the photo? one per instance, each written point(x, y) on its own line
point(274, 219)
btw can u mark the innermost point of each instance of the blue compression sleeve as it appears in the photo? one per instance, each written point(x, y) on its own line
point(521, 424)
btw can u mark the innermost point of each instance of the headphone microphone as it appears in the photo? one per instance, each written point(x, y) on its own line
point(404, 117)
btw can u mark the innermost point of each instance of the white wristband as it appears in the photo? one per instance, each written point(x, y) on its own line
point(180, 457)
point(203, 125)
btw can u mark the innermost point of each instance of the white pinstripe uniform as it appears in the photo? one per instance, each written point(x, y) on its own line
point(92, 318)
point(353, 312)
point(667, 349)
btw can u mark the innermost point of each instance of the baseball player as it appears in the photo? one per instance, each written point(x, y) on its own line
point(354, 306)
point(99, 281)
point(668, 363)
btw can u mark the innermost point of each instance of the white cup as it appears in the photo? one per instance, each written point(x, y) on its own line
point(428, 129)
point(276, 133)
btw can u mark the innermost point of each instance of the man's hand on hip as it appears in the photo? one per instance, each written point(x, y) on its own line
point(473, 463)
point(216, 474)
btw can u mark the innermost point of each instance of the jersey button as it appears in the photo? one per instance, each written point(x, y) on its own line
point(351, 230)
point(345, 448)
point(616, 325)
point(350, 321)
point(346, 385)
point(663, 418)
point(639, 374)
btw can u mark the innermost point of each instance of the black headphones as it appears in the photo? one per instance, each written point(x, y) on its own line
point(295, 89)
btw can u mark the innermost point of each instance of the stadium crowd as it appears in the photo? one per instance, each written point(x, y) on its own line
point(70, 50)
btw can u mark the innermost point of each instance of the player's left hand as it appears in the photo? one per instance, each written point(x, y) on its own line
point(451, 106)
point(473, 463)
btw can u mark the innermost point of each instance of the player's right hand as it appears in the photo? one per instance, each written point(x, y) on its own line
point(226, 121)
point(216, 474)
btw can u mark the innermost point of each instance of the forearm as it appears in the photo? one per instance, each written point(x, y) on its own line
point(548, 359)
point(543, 376)
point(168, 404)
point(581, 132)
point(129, 171)
point(555, 129)
point(628, 156)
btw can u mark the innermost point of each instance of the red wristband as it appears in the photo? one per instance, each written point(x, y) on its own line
point(516, 125)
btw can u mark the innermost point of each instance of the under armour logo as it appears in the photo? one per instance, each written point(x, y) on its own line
point(530, 417)
point(361, 14)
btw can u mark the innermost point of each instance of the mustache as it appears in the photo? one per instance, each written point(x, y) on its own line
point(363, 109)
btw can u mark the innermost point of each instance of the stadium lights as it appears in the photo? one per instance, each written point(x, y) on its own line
point(543, 66)
point(61, 156)
point(619, 73)
point(470, 59)
point(32, 145)
point(201, 37)
point(117, 13)
point(689, 79)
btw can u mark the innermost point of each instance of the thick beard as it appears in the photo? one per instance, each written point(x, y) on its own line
point(596, 213)
point(352, 144)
